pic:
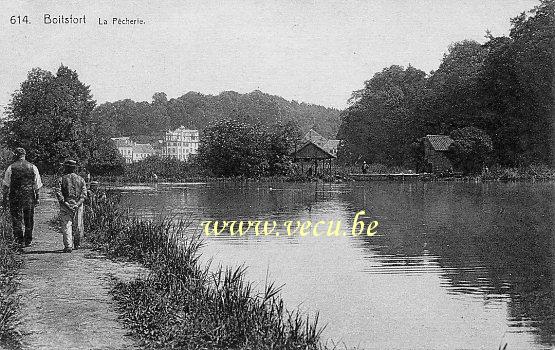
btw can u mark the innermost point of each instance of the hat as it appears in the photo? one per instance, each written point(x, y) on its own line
point(20, 152)
point(70, 163)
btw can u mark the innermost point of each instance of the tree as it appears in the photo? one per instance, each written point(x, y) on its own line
point(233, 148)
point(455, 99)
point(103, 158)
point(6, 157)
point(471, 149)
point(50, 116)
point(159, 98)
point(280, 142)
point(236, 148)
point(384, 117)
point(517, 87)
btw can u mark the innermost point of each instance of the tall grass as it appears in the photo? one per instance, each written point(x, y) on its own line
point(184, 304)
point(9, 302)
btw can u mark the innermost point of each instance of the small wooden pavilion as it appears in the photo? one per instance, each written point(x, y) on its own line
point(319, 160)
point(314, 154)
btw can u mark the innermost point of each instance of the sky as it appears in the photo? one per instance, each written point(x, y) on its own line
point(314, 51)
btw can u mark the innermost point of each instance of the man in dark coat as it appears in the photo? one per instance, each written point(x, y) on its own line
point(21, 194)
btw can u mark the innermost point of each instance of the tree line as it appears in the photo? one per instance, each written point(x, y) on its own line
point(53, 116)
point(197, 111)
point(499, 92)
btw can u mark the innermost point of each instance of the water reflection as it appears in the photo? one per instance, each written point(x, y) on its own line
point(453, 265)
point(494, 240)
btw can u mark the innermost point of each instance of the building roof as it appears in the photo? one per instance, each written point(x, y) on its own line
point(122, 141)
point(440, 142)
point(148, 138)
point(143, 148)
point(315, 138)
point(310, 150)
point(183, 129)
point(331, 145)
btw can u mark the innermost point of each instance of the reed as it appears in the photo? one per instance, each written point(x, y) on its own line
point(183, 303)
point(9, 302)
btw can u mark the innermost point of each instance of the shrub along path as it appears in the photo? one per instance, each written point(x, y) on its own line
point(65, 296)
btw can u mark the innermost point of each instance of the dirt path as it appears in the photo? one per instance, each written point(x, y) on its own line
point(65, 300)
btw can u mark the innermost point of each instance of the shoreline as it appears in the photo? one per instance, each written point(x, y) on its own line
point(183, 303)
point(118, 181)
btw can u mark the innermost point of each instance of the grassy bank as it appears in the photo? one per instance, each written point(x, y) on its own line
point(182, 304)
point(9, 302)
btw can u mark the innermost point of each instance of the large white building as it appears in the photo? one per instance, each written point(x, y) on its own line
point(180, 144)
point(141, 151)
point(125, 148)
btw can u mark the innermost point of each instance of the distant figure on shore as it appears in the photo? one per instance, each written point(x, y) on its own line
point(364, 167)
point(21, 187)
point(154, 177)
point(71, 191)
point(87, 177)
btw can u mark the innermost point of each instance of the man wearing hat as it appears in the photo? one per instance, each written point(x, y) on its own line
point(21, 193)
point(71, 191)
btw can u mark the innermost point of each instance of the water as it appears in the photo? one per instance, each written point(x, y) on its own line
point(453, 266)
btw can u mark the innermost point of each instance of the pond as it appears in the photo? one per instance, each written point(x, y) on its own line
point(452, 264)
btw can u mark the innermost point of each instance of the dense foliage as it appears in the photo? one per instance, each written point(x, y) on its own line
point(6, 156)
point(375, 128)
point(50, 116)
point(471, 149)
point(503, 87)
point(235, 148)
point(197, 111)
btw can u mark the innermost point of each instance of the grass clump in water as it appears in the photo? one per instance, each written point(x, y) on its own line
point(182, 304)
point(9, 302)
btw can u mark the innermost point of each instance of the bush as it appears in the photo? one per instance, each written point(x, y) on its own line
point(9, 302)
point(471, 149)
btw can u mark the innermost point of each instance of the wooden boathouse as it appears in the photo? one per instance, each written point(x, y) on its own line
point(316, 154)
